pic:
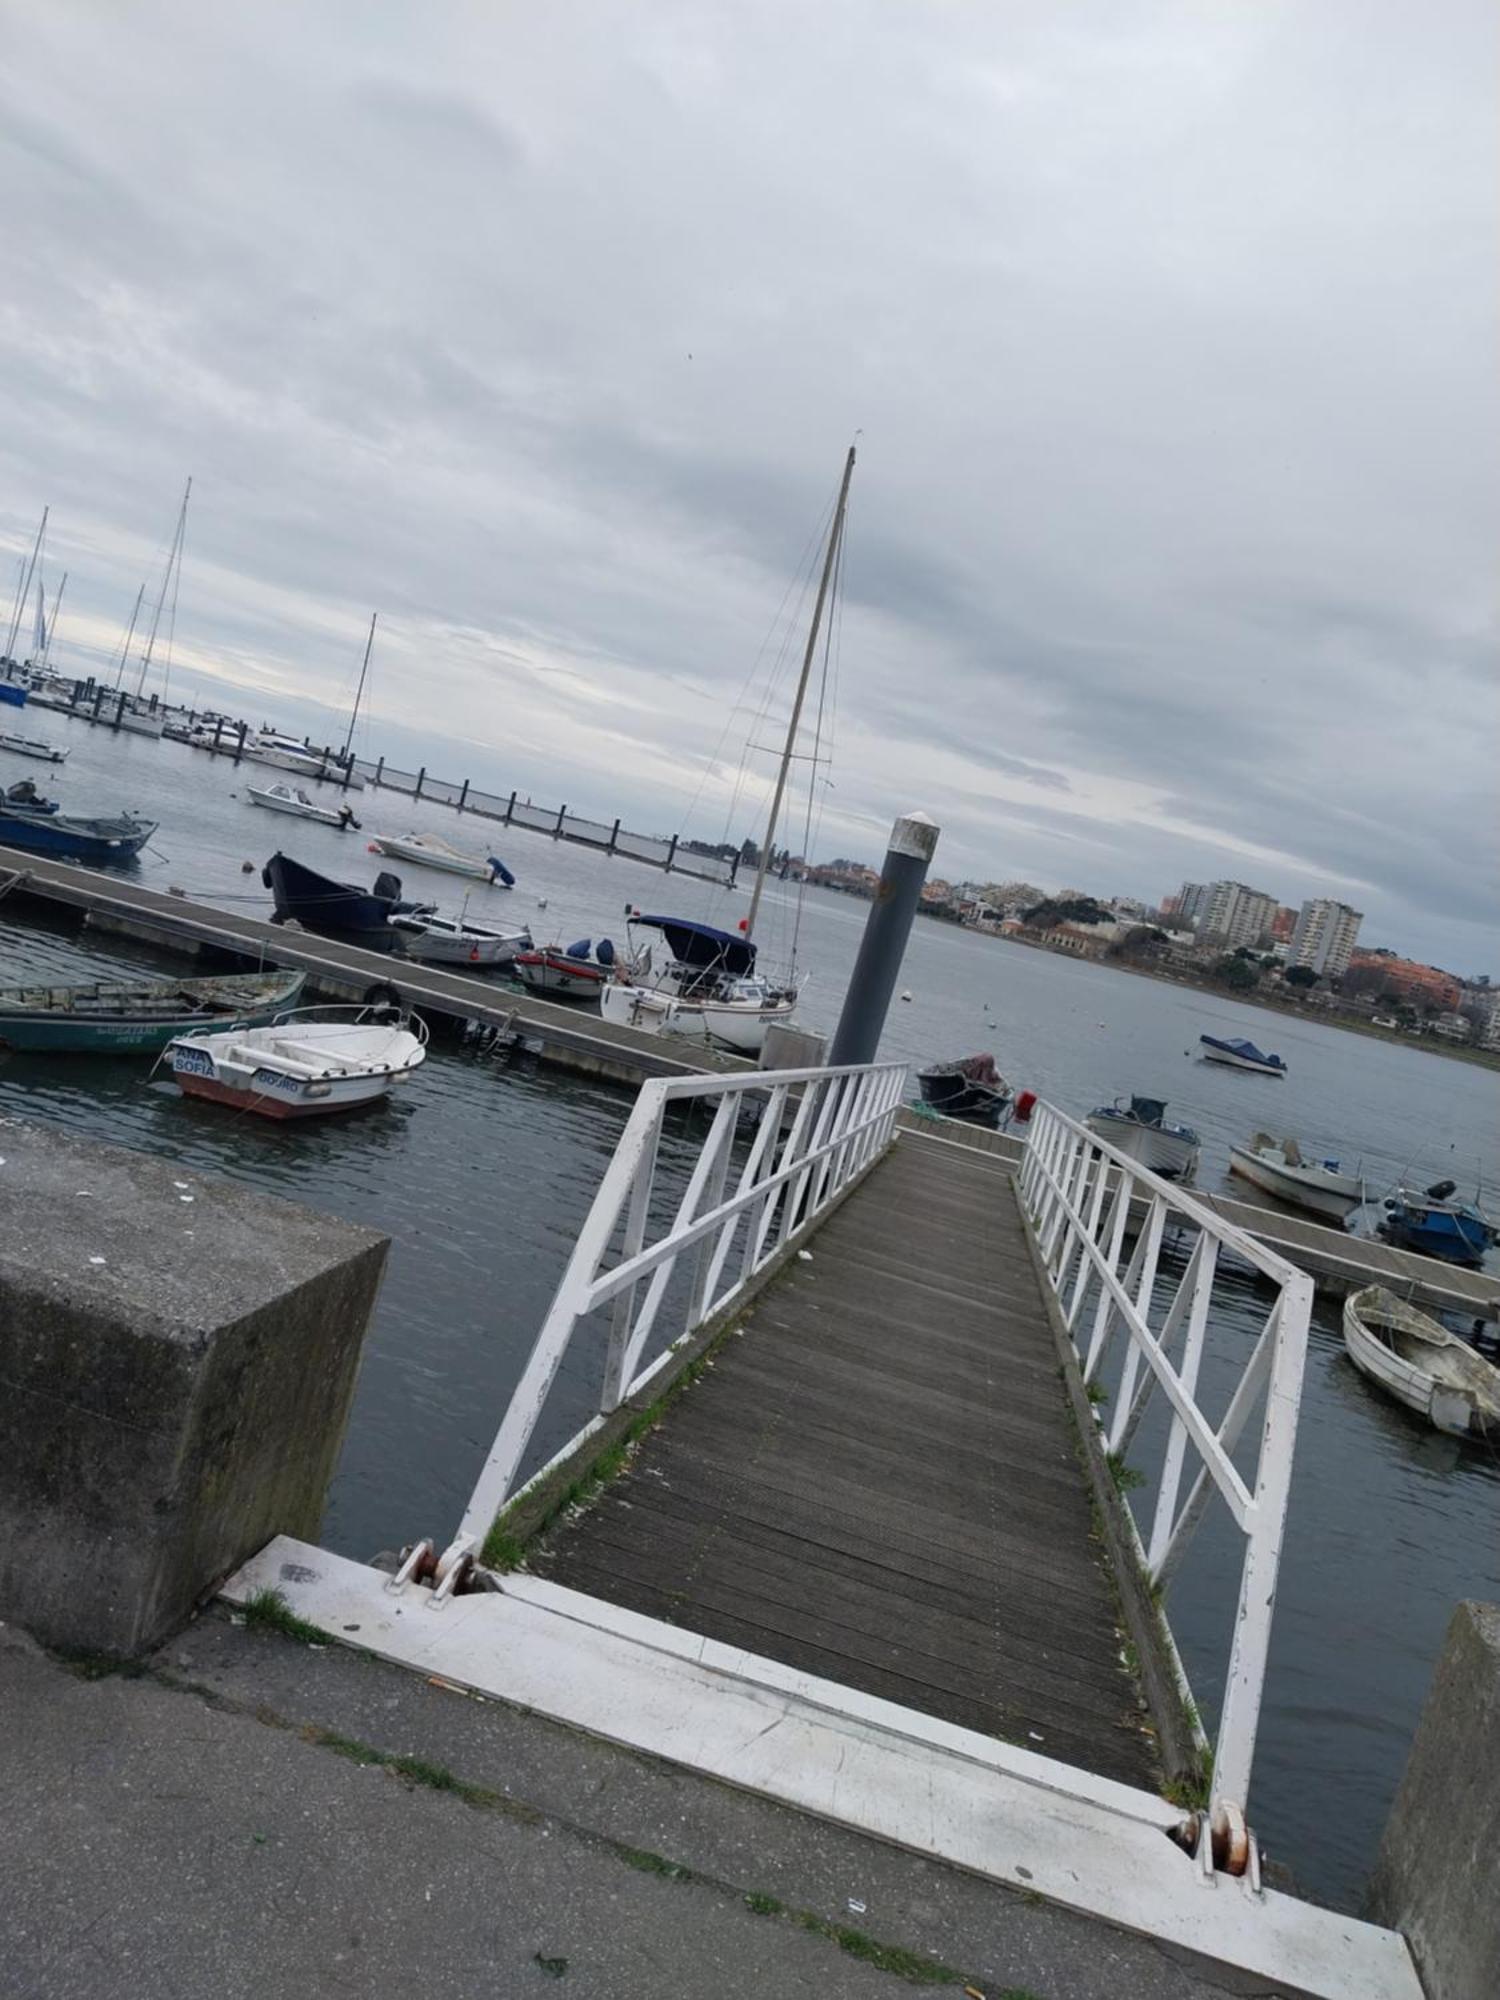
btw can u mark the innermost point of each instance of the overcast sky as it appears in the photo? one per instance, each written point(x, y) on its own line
point(1169, 332)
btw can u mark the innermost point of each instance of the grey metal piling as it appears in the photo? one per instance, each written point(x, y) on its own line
point(914, 839)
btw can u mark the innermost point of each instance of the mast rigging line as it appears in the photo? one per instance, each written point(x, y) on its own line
point(834, 540)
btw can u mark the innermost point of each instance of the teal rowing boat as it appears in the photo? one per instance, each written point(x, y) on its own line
point(118, 1017)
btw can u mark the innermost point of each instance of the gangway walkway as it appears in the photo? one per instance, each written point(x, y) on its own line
point(878, 1481)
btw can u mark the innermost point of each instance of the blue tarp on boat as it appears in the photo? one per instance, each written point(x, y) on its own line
point(703, 947)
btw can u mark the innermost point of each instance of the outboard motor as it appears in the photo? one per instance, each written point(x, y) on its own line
point(500, 873)
point(605, 955)
point(387, 887)
point(1442, 1190)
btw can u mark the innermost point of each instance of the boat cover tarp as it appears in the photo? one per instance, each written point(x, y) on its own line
point(703, 947)
point(1237, 1045)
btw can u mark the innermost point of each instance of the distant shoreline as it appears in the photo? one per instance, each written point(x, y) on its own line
point(1428, 1044)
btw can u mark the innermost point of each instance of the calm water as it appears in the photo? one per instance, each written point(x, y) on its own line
point(483, 1173)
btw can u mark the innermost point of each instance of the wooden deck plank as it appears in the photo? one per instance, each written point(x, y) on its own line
point(877, 1480)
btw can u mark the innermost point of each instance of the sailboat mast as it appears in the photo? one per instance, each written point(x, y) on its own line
point(835, 536)
point(25, 591)
point(173, 559)
point(359, 691)
point(56, 614)
point(140, 598)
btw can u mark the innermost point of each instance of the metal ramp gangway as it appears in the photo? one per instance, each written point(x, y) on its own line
point(957, 1308)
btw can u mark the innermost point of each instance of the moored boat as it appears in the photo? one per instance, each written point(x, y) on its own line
point(1422, 1364)
point(303, 1065)
point(709, 989)
point(1320, 1186)
point(138, 1016)
point(337, 909)
point(438, 940)
point(573, 972)
point(430, 850)
point(1237, 1053)
point(103, 841)
point(970, 1088)
point(31, 746)
point(292, 800)
point(1140, 1129)
point(1437, 1224)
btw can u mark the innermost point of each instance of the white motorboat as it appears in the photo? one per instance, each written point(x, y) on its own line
point(287, 799)
point(1422, 1364)
point(304, 1065)
point(267, 748)
point(430, 850)
point(1320, 1186)
point(1139, 1128)
point(438, 940)
point(737, 1016)
point(1237, 1053)
point(31, 746)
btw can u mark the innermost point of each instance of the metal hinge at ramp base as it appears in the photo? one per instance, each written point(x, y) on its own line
point(993, 1809)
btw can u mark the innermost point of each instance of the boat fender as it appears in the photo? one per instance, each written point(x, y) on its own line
point(1025, 1105)
point(381, 994)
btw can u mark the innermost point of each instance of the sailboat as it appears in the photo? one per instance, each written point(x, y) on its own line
point(710, 987)
point(135, 713)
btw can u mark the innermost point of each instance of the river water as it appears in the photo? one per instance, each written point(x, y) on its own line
point(482, 1174)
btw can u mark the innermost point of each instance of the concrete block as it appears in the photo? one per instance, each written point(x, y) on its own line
point(177, 1361)
point(1435, 1876)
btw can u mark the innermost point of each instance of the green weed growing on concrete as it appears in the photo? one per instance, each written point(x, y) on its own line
point(269, 1611)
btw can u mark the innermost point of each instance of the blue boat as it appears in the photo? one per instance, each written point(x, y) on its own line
point(1237, 1053)
point(104, 842)
point(1437, 1225)
point(12, 694)
point(339, 909)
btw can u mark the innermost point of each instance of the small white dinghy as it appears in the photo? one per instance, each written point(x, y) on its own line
point(305, 1064)
point(1422, 1364)
point(289, 799)
point(1320, 1186)
point(437, 940)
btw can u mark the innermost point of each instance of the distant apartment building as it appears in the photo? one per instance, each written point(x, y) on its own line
point(1323, 937)
point(1283, 923)
point(1187, 903)
point(1419, 985)
point(1235, 913)
point(1489, 1027)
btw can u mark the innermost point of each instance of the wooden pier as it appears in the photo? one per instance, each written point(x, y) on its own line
point(340, 972)
point(879, 1482)
point(1337, 1262)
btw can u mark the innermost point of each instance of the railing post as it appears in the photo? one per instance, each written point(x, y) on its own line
point(379, 771)
point(1202, 1272)
point(421, 775)
point(463, 793)
point(562, 820)
point(1234, 1751)
point(671, 855)
point(614, 836)
point(624, 1306)
point(1149, 1251)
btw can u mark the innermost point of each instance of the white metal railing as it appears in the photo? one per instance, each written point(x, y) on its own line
point(817, 1129)
point(1100, 1221)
